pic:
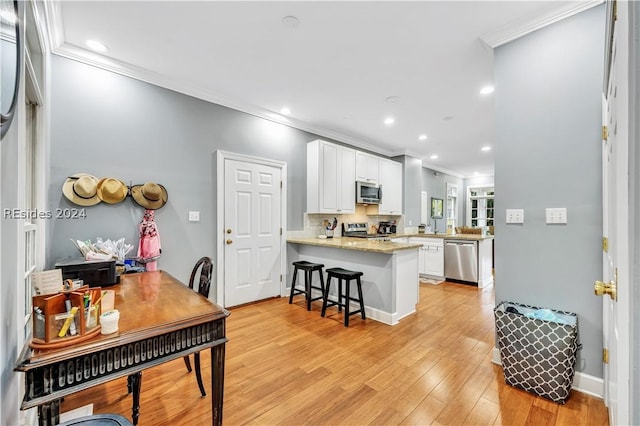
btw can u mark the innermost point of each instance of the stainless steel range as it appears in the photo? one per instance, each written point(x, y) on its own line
point(359, 230)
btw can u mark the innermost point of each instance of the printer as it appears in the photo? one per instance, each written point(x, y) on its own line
point(94, 273)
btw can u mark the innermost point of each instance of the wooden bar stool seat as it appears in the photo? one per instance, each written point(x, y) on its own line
point(344, 275)
point(308, 268)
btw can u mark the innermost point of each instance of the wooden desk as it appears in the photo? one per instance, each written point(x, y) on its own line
point(160, 320)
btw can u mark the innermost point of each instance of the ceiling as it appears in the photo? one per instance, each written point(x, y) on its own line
point(340, 67)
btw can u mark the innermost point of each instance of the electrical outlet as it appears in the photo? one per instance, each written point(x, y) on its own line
point(194, 216)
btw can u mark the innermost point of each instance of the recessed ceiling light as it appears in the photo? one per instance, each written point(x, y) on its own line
point(476, 173)
point(486, 90)
point(434, 157)
point(285, 111)
point(486, 148)
point(389, 121)
point(291, 22)
point(422, 137)
point(96, 46)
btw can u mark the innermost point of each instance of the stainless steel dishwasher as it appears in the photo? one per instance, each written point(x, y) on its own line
point(461, 260)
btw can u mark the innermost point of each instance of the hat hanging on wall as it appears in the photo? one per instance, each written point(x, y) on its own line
point(150, 195)
point(81, 189)
point(112, 190)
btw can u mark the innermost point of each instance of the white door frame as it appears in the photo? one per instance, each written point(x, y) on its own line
point(634, 203)
point(220, 176)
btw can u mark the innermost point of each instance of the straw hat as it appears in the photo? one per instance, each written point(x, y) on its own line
point(81, 189)
point(150, 195)
point(111, 190)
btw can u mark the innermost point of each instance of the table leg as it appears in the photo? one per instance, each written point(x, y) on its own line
point(135, 380)
point(49, 413)
point(217, 383)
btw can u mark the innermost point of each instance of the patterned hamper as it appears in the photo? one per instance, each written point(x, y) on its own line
point(537, 355)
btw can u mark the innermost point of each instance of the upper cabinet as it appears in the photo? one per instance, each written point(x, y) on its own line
point(331, 178)
point(391, 182)
point(367, 167)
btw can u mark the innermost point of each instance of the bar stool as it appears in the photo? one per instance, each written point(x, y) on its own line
point(346, 275)
point(308, 268)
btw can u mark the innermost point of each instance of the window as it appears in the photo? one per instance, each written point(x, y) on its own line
point(452, 207)
point(32, 226)
point(480, 211)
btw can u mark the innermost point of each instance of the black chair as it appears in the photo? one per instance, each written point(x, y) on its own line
point(98, 420)
point(205, 265)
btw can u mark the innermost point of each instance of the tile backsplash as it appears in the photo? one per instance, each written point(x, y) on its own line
point(313, 222)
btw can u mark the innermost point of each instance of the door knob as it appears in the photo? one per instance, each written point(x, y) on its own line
point(600, 288)
point(228, 230)
point(229, 241)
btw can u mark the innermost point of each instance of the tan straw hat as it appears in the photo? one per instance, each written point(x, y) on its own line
point(150, 195)
point(112, 190)
point(81, 189)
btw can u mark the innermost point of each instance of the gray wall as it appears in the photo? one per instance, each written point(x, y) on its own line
point(547, 154)
point(11, 305)
point(412, 185)
point(435, 184)
point(12, 311)
point(109, 125)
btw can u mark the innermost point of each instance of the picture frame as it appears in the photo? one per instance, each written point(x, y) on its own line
point(436, 208)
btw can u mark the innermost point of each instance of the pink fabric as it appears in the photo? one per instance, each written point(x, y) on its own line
point(149, 248)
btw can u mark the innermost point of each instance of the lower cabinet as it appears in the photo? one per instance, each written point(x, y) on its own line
point(430, 256)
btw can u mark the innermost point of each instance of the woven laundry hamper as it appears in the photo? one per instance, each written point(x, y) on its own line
point(537, 355)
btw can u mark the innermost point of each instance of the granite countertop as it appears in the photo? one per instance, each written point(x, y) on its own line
point(350, 243)
point(470, 237)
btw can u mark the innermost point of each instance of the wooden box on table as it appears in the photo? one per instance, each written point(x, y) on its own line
point(52, 326)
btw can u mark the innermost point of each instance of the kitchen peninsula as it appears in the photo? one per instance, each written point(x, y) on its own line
point(390, 283)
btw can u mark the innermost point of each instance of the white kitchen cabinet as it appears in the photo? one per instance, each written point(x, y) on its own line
point(391, 182)
point(330, 178)
point(367, 167)
point(430, 256)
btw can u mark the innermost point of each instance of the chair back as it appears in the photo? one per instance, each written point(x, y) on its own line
point(205, 265)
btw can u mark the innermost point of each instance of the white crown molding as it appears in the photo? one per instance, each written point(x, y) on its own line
point(523, 27)
point(441, 169)
point(61, 48)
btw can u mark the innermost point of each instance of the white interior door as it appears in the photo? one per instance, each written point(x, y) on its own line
point(252, 232)
point(615, 224)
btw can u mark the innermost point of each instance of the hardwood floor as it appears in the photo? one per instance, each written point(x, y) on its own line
point(287, 366)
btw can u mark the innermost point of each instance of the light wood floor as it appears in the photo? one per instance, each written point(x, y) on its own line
point(287, 366)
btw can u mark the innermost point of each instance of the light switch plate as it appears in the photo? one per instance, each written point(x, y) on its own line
point(194, 216)
point(515, 215)
point(556, 215)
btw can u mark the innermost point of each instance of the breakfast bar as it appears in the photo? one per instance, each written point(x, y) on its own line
point(390, 283)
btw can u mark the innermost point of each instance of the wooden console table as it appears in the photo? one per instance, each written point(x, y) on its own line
point(161, 319)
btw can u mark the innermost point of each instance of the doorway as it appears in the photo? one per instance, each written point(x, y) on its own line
point(251, 228)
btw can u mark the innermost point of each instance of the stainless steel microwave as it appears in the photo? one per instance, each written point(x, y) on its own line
point(368, 193)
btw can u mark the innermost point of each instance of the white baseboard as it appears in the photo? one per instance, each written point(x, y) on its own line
point(582, 382)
